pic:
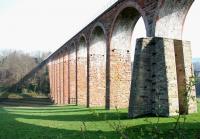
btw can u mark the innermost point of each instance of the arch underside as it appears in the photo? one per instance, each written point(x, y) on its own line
point(120, 57)
point(97, 67)
point(170, 19)
point(72, 75)
point(82, 72)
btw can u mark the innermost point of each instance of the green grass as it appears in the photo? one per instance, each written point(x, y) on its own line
point(65, 122)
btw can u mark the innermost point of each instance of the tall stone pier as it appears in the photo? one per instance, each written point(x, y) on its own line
point(161, 78)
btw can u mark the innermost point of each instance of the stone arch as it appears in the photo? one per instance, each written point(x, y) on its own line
point(189, 30)
point(97, 66)
point(120, 55)
point(82, 71)
point(170, 18)
point(138, 8)
point(72, 74)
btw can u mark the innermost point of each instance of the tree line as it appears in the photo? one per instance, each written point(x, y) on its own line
point(14, 65)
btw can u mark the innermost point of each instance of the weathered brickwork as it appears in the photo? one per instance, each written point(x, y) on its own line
point(54, 77)
point(97, 68)
point(61, 79)
point(50, 79)
point(82, 72)
point(94, 67)
point(120, 58)
point(72, 75)
point(66, 78)
point(57, 81)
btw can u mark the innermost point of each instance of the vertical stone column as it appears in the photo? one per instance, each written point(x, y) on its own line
point(82, 75)
point(53, 94)
point(58, 79)
point(164, 78)
point(49, 75)
point(140, 97)
point(72, 75)
point(66, 77)
point(120, 76)
point(52, 74)
point(97, 76)
point(185, 74)
point(161, 70)
point(61, 79)
point(189, 74)
point(50, 79)
point(56, 82)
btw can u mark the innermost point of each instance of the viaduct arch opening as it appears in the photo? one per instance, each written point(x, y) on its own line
point(72, 75)
point(82, 71)
point(97, 67)
point(188, 30)
point(121, 51)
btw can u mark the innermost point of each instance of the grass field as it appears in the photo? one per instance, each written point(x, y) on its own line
point(73, 122)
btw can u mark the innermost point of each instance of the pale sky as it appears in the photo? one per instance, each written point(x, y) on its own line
point(45, 25)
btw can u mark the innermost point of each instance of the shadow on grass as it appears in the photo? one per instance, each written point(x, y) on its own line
point(25, 102)
point(87, 116)
point(12, 128)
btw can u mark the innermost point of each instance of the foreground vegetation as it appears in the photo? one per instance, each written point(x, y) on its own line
point(73, 122)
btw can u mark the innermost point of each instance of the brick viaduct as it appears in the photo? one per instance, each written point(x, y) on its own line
point(94, 67)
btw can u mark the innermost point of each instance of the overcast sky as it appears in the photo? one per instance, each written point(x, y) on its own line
point(45, 25)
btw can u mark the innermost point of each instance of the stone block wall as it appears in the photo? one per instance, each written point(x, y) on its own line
point(140, 98)
point(61, 79)
point(160, 71)
point(66, 78)
point(82, 73)
point(72, 76)
point(185, 76)
point(58, 80)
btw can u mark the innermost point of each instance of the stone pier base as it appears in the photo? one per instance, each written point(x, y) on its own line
point(162, 70)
